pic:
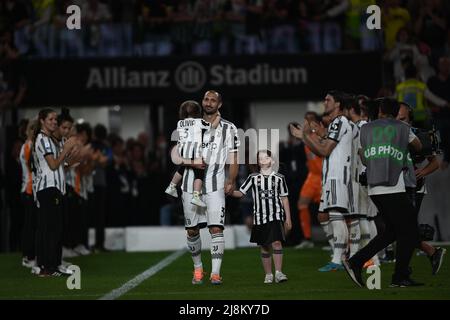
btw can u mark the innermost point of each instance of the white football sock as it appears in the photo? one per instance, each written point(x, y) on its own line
point(195, 247)
point(340, 236)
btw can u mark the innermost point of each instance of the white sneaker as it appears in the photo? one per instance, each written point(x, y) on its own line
point(65, 263)
point(172, 191)
point(268, 278)
point(64, 270)
point(35, 270)
point(197, 201)
point(81, 250)
point(280, 277)
point(28, 263)
point(305, 244)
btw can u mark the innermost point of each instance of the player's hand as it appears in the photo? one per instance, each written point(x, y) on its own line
point(230, 186)
point(288, 225)
point(296, 131)
point(318, 128)
point(420, 174)
point(306, 128)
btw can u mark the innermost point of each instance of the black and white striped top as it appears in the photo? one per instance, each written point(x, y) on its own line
point(216, 146)
point(46, 177)
point(266, 192)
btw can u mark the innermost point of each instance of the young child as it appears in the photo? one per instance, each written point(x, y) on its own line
point(271, 213)
point(191, 129)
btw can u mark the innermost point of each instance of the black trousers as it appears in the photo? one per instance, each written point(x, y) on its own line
point(29, 227)
point(100, 216)
point(400, 222)
point(49, 229)
point(73, 227)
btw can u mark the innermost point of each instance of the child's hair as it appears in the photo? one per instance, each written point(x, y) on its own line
point(266, 151)
point(64, 116)
point(190, 109)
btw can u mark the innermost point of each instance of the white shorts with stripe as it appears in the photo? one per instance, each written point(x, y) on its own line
point(353, 197)
point(363, 201)
point(372, 210)
point(212, 215)
point(335, 195)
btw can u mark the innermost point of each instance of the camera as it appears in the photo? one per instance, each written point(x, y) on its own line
point(430, 144)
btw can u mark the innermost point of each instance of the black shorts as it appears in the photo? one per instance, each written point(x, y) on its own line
point(266, 234)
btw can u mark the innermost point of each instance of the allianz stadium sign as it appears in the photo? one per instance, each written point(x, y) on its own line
point(191, 76)
point(142, 80)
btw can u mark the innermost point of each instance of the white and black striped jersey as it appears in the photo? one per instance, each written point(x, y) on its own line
point(218, 143)
point(45, 177)
point(266, 192)
point(337, 165)
point(190, 137)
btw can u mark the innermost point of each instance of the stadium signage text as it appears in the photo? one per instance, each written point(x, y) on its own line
point(191, 79)
point(171, 79)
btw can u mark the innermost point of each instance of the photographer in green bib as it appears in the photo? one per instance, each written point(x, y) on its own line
point(383, 149)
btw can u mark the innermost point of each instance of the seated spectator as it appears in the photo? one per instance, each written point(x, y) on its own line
point(439, 85)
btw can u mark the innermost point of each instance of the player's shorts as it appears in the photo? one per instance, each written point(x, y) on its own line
point(212, 215)
point(312, 188)
point(334, 196)
point(353, 197)
point(372, 210)
point(363, 201)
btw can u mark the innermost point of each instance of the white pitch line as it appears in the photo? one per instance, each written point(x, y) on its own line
point(133, 283)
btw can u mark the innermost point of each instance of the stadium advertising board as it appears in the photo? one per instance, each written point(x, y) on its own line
point(147, 79)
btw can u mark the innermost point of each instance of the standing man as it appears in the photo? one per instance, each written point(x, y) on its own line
point(220, 146)
point(336, 149)
point(416, 188)
point(384, 149)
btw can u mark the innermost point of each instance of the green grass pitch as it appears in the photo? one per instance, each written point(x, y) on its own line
point(241, 270)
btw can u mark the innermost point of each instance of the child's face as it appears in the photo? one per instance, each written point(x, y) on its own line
point(264, 160)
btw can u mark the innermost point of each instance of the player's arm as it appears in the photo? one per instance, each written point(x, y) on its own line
point(53, 162)
point(361, 156)
point(237, 194)
point(432, 165)
point(321, 148)
point(414, 142)
point(287, 210)
point(233, 170)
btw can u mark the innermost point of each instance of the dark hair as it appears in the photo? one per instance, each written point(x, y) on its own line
point(338, 96)
point(190, 109)
point(389, 106)
point(100, 132)
point(84, 127)
point(410, 71)
point(372, 107)
point(350, 102)
point(42, 115)
point(314, 114)
point(410, 110)
point(64, 116)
